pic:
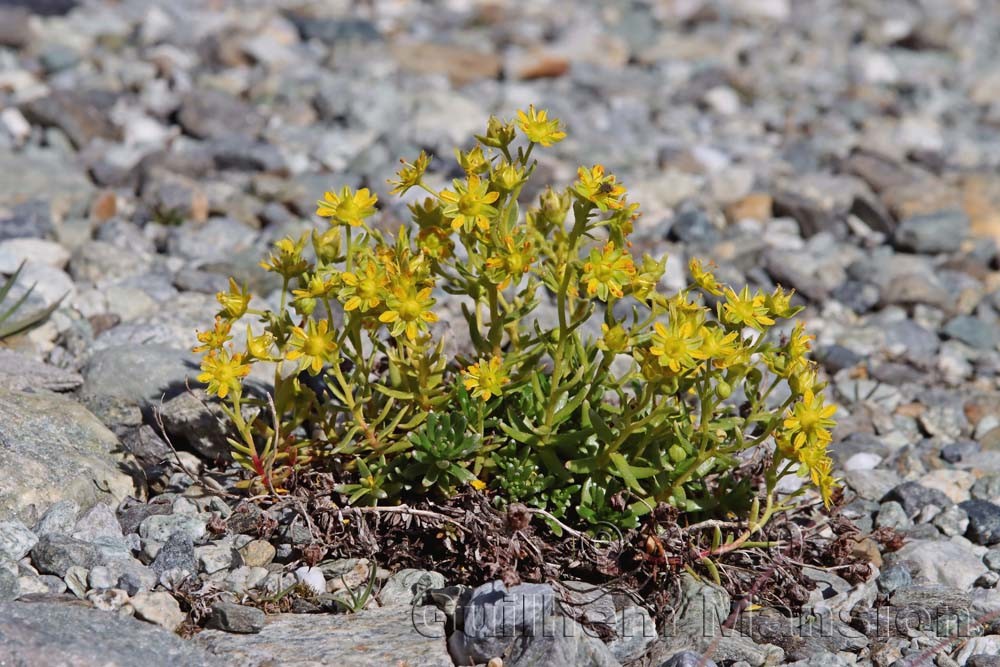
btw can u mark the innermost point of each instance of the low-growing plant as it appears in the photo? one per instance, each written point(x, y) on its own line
point(689, 399)
point(11, 326)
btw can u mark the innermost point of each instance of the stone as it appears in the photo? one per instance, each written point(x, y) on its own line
point(892, 515)
point(952, 521)
point(111, 599)
point(159, 608)
point(191, 418)
point(385, 636)
point(235, 618)
point(160, 527)
point(635, 630)
point(894, 577)
point(98, 521)
point(972, 331)
point(82, 116)
point(19, 372)
point(512, 623)
point(460, 64)
point(10, 585)
point(177, 553)
point(214, 557)
point(407, 585)
point(213, 114)
point(688, 659)
point(55, 554)
point(76, 580)
point(312, 578)
point(871, 484)
point(932, 233)
point(801, 637)
point(140, 374)
point(88, 636)
point(941, 562)
point(984, 521)
point(62, 452)
point(913, 497)
point(16, 540)
point(258, 553)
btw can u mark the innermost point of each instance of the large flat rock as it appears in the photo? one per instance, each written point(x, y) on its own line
point(53, 633)
point(386, 636)
point(52, 448)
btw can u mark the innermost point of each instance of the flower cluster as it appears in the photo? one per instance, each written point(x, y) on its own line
point(537, 411)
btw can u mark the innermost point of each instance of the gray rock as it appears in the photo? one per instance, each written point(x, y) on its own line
point(871, 484)
point(986, 488)
point(984, 521)
point(892, 515)
point(98, 521)
point(59, 518)
point(801, 637)
point(176, 553)
point(74, 113)
point(160, 527)
point(941, 562)
point(61, 451)
point(385, 636)
point(689, 659)
point(16, 540)
point(212, 113)
point(55, 554)
point(635, 630)
point(522, 626)
point(76, 578)
point(952, 521)
point(140, 374)
point(893, 577)
point(19, 372)
point(407, 585)
point(159, 608)
point(930, 234)
point(972, 331)
point(47, 633)
point(42, 175)
point(192, 419)
point(913, 497)
point(10, 585)
point(236, 618)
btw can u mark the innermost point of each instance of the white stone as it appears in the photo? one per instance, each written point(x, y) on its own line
point(862, 461)
point(312, 578)
point(159, 608)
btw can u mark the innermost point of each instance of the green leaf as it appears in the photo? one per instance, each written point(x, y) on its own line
point(601, 428)
point(625, 471)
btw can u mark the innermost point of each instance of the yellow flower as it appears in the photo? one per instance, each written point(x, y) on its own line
point(809, 421)
point(513, 260)
point(704, 279)
point(469, 204)
point(718, 346)
point(347, 207)
point(498, 133)
point(223, 372)
point(410, 175)
point(363, 291)
point(647, 277)
point(216, 338)
point(674, 348)
point(599, 189)
point(508, 177)
point(779, 303)
point(613, 339)
point(313, 346)
point(798, 346)
point(234, 302)
point(408, 310)
point(745, 310)
point(607, 272)
point(316, 286)
point(478, 484)
point(287, 259)
point(473, 162)
point(538, 128)
point(435, 243)
point(259, 347)
point(485, 379)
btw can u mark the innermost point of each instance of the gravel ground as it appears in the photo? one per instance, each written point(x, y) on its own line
point(149, 149)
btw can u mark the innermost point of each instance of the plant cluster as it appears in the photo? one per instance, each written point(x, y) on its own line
point(677, 394)
point(9, 326)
